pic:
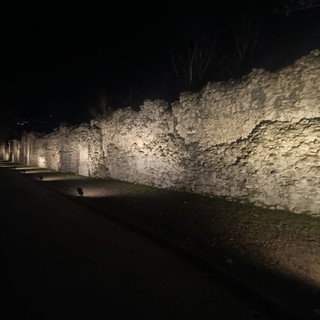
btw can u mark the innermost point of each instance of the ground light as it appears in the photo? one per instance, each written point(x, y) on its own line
point(80, 191)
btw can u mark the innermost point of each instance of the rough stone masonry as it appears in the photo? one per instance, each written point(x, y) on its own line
point(256, 139)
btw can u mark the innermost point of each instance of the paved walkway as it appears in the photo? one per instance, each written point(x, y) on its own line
point(62, 260)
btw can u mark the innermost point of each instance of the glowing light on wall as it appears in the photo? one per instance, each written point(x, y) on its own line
point(41, 162)
point(6, 155)
point(83, 169)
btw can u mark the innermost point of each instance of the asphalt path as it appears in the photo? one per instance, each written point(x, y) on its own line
point(60, 259)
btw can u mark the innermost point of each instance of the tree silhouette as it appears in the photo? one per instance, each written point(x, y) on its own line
point(101, 107)
point(246, 47)
point(223, 51)
point(290, 6)
point(191, 58)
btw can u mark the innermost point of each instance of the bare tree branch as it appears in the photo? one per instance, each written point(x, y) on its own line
point(289, 6)
point(191, 59)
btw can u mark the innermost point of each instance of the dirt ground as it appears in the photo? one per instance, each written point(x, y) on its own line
point(275, 251)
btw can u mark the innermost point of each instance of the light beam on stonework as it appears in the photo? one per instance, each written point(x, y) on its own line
point(41, 162)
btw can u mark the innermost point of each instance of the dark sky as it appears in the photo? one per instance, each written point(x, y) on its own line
point(59, 60)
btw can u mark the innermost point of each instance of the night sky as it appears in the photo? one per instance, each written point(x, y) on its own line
point(57, 62)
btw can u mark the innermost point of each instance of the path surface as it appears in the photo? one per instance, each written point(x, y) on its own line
point(60, 259)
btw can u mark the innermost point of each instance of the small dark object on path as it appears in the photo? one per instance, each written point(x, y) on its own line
point(80, 191)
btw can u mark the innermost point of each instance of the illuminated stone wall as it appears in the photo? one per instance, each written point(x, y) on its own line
point(225, 112)
point(256, 139)
point(143, 147)
point(5, 151)
point(67, 149)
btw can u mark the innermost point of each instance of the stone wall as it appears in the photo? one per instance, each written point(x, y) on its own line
point(67, 149)
point(225, 112)
point(256, 139)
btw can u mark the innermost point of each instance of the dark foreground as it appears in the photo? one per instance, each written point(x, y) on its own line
point(61, 259)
